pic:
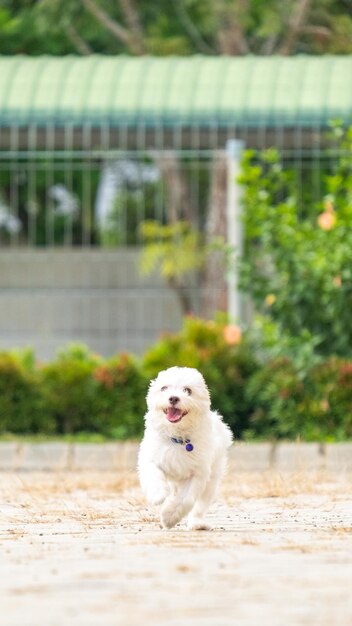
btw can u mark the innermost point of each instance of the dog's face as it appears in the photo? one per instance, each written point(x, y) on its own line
point(178, 395)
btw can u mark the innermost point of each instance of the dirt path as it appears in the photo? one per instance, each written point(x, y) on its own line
point(84, 550)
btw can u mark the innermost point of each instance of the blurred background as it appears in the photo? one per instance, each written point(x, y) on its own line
point(176, 187)
point(119, 117)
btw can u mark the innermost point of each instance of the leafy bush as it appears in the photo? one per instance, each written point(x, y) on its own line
point(85, 393)
point(328, 400)
point(274, 390)
point(223, 357)
point(120, 397)
point(165, 242)
point(297, 266)
point(22, 407)
point(317, 406)
point(69, 389)
point(276, 397)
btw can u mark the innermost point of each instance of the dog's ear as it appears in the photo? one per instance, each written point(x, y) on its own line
point(152, 383)
point(205, 390)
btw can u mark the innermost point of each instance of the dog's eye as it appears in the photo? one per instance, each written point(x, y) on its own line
point(187, 390)
point(163, 388)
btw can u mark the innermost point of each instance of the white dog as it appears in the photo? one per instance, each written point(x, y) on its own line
point(183, 453)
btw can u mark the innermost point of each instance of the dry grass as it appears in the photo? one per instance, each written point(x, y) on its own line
point(272, 484)
point(39, 487)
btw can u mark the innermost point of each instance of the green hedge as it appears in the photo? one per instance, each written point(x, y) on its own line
point(297, 259)
point(83, 392)
point(80, 392)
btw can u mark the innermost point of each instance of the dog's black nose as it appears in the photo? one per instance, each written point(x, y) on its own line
point(173, 399)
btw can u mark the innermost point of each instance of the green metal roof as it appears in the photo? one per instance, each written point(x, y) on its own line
point(175, 90)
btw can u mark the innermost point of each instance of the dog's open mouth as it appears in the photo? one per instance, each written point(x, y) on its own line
point(173, 414)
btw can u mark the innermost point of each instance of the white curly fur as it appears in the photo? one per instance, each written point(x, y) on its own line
point(183, 482)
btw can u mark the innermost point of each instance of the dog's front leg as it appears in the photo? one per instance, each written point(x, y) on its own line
point(153, 483)
point(177, 505)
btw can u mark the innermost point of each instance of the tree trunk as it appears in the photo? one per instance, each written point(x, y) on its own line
point(179, 205)
point(214, 277)
point(296, 24)
point(183, 296)
point(74, 37)
point(231, 36)
point(136, 32)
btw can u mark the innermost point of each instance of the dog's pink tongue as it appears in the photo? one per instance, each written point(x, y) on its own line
point(173, 414)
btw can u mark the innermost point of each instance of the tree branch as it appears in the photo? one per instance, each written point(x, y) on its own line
point(231, 37)
point(214, 296)
point(179, 200)
point(268, 46)
point(74, 37)
point(319, 31)
point(118, 31)
point(191, 28)
point(232, 41)
point(296, 24)
point(130, 12)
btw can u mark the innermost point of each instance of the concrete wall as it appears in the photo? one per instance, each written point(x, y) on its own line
point(116, 456)
point(49, 298)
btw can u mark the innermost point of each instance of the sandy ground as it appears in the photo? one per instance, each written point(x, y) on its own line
point(84, 549)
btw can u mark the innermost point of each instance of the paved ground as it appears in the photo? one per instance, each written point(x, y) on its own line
point(81, 549)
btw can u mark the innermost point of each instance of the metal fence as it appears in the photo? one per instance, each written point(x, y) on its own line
point(100, 197)
point(71, 190)
point(95, 198)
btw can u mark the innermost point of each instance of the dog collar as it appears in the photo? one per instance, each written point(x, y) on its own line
point(183, 442)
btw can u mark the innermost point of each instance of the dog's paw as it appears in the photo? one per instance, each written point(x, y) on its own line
point(197, 523)
point(169, 520)
point(170, 516)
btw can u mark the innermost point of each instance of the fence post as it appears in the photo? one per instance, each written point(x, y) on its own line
point(234, 149)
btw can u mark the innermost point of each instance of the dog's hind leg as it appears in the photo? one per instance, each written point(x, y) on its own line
point(179, 504)
point(195, 520)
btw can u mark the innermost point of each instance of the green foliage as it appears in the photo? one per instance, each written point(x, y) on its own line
point(85, 393)
point(274, 390)
point(69, 389)
point(22, 408)
point(270, 342)
point(328, 400)
point(25, 358)
point(81, 394)
point(298, 268)
point(179, 253)
point(263, 393)
point(180, 27)
point(173, 249)
point(121, 388)
point(226, 366)
point(316, 407)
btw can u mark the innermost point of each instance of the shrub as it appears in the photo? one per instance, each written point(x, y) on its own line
point(222, 356)
point(313, 407)
point(69, 389)
point(80, 392)
point(120, 397)
point(328, 400)
point(274, 391)
point(85, 393)
point(297, 265)
point(22, 407)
